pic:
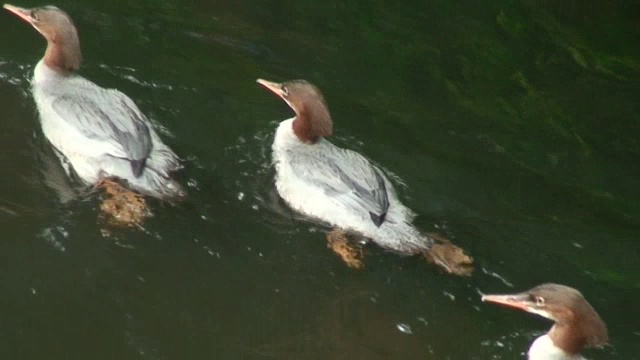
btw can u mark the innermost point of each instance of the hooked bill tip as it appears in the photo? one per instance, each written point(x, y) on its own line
point(494, 298)
point(11, 8)
point(265, 82)
point(506, 300)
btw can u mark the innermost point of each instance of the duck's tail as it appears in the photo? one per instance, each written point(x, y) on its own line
point(403, 238)
point(153, 183)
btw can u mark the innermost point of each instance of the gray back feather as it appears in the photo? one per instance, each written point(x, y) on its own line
point(110, 116)
point(360, 184)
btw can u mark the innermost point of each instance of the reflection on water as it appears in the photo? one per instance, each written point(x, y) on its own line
point(512, 128)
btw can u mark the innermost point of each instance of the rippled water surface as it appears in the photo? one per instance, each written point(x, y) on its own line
point(512, 128)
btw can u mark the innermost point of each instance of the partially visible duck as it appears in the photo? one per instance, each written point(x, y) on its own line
point(576, 324)
point(335, 185)
point(101, 132)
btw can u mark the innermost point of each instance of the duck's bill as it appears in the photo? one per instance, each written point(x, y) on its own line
point(24, 14)
point(515, 301)
point(275, 87)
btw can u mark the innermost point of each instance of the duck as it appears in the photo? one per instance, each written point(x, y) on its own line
point(100, 133)
point(576, 324)
point(335, 185)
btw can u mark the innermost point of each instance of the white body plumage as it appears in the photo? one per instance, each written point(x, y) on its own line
point(306, 179)
point(97, 131)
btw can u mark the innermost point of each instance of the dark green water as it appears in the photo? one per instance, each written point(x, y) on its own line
point(513, 128)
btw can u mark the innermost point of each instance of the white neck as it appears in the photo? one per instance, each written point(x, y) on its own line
point(285, 134)
point(42, 72)
point(543, 348)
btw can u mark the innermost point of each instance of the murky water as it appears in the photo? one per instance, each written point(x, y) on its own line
point(511, 128)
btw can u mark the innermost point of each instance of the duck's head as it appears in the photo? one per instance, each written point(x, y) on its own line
point(577, 324)
point(63, 46)
point(312, 114)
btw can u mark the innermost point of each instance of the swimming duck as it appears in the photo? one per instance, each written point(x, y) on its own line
point(332, 184)
point(101, 132)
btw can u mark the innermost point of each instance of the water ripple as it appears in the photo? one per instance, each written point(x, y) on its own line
point(15, 73)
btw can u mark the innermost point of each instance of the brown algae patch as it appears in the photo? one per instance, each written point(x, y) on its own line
point(120, 206)
point(449, 257)
point(341, 244)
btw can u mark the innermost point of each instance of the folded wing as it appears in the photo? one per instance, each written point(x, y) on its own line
point(110, 117)
point(353, 179)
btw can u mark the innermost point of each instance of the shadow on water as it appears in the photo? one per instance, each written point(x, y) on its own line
point(512, 128)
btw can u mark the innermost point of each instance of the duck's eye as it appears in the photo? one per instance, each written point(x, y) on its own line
point(539, 300)
point(34, 16)
point(285, 91)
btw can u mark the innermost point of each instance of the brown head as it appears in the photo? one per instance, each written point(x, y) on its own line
point(63, 46)
point(312, 115)
point(577, 325)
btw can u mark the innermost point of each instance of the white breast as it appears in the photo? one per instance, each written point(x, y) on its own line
point(543, 348)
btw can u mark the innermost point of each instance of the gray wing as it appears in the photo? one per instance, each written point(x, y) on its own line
point(353, 178)
point(109, 116)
